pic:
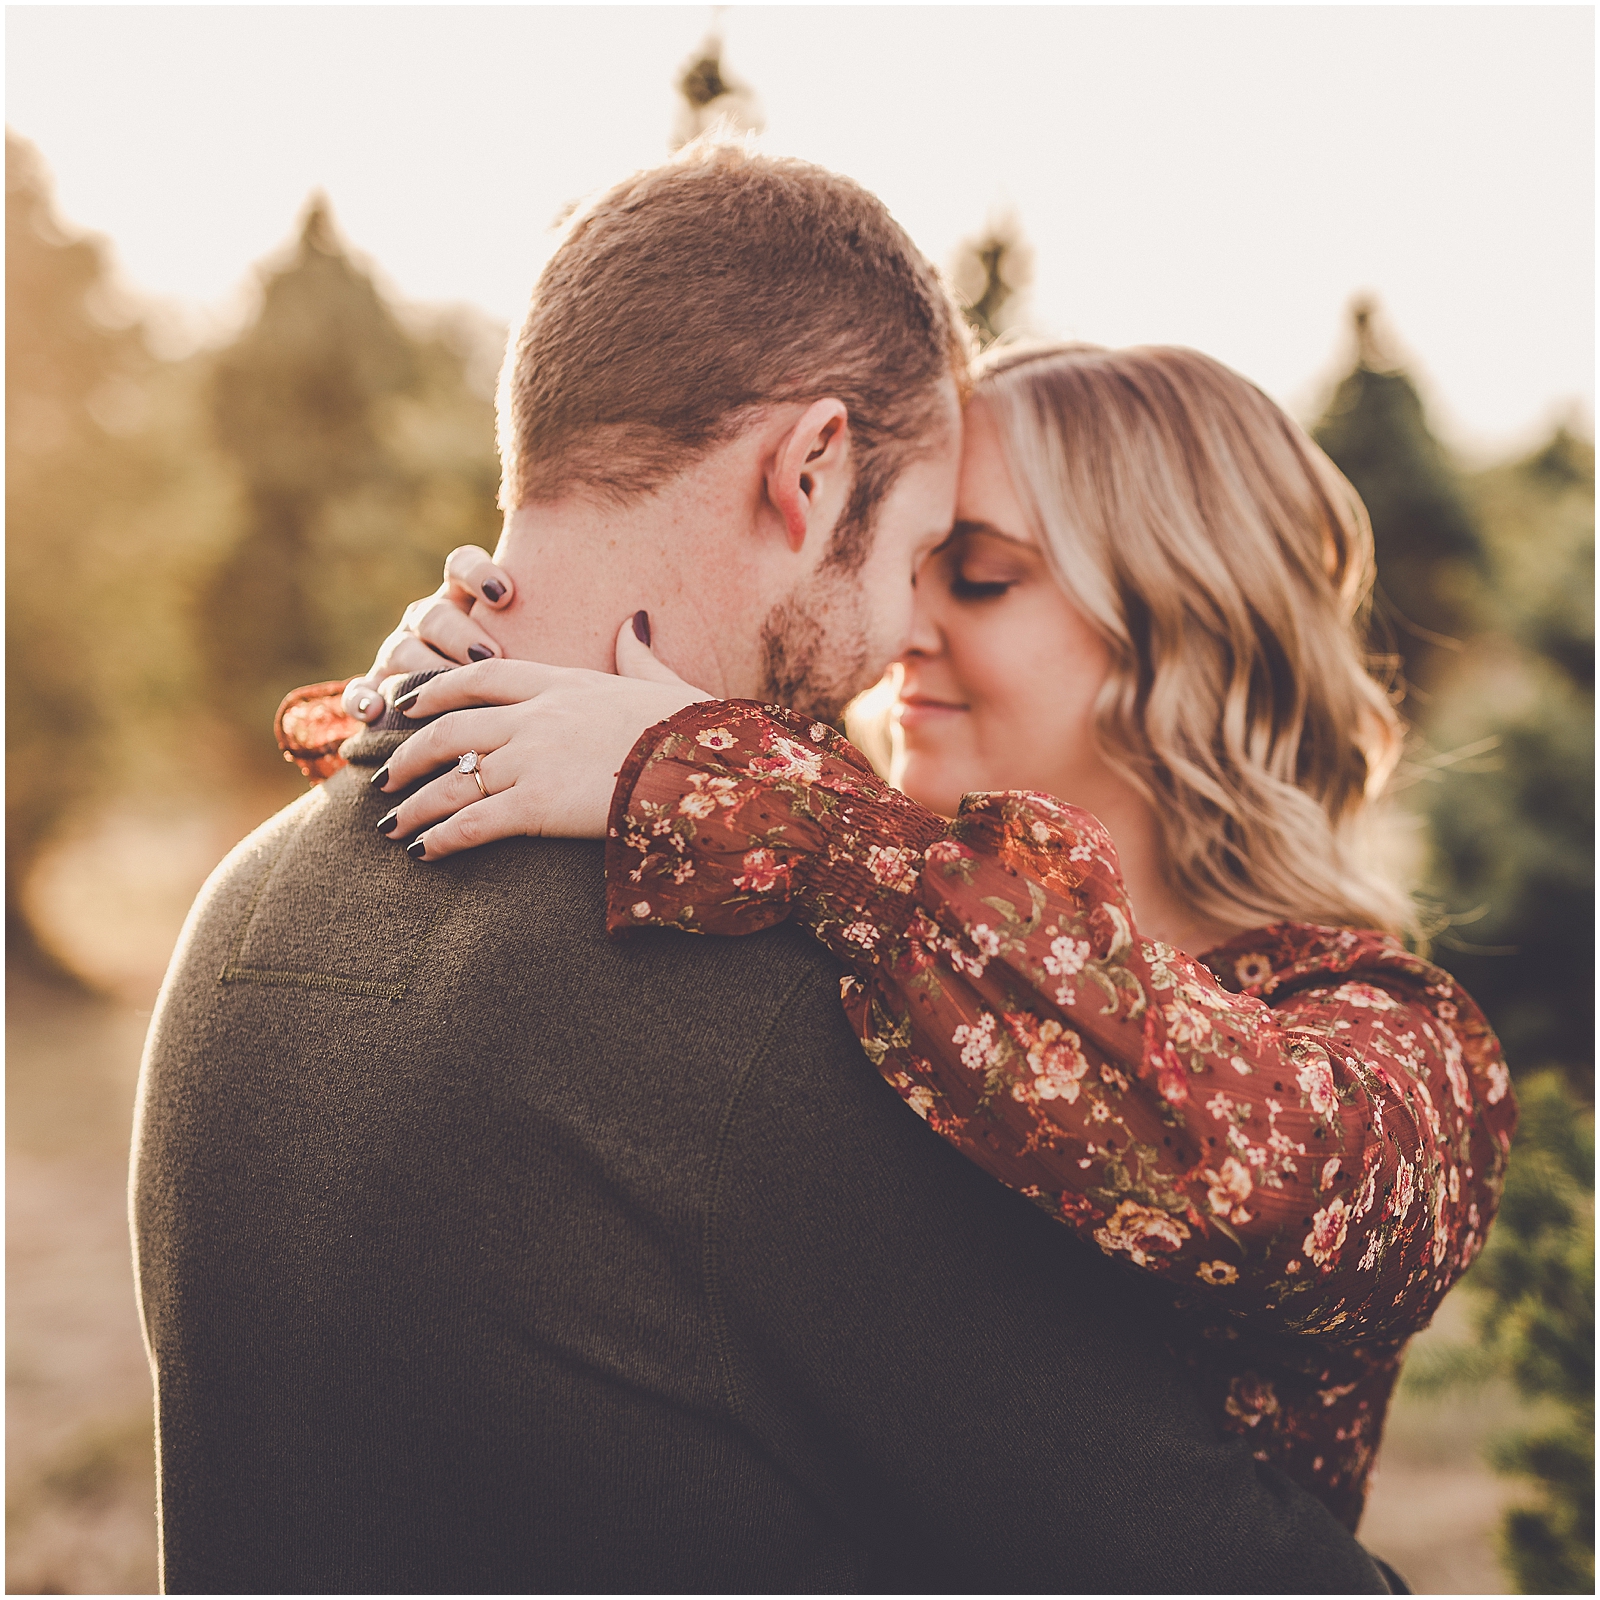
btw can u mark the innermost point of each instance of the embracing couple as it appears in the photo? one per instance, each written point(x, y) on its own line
point(1030, 1186)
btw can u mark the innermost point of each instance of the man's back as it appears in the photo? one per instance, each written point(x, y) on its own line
point(479, 1253)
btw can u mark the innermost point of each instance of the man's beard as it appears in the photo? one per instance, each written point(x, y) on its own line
point(815, 656)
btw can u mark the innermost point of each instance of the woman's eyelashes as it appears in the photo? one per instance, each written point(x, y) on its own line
point(965, 588)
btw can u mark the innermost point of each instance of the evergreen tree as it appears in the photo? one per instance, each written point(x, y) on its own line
point(1536, 1289)
point(1538, 519)
point(1430, 554)
point(295, 407)
point(346, 430)
point(1532, 1294)
point(190, 539)
point(74, 366)
point(1513, 836)
point(708, 93)
point(991, 273)
point(1501, 563)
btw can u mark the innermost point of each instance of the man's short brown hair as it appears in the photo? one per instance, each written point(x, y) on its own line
point(694, 291)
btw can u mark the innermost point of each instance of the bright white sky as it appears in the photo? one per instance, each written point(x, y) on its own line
point(1225, 177)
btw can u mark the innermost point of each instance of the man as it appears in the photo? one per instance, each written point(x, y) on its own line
point(480, 1254)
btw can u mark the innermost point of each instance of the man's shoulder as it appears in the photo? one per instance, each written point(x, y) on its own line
point(317, 899)
point(238, 878)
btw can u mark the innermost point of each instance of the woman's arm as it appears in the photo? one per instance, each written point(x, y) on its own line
point(1328, 1161)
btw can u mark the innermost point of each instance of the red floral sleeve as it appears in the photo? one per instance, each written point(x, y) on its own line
point(311, 725)
point(1308, 1130)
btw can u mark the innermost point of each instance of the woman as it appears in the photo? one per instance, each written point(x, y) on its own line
point(1145, 975)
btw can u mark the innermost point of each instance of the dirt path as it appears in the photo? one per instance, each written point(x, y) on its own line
point(80, 1483)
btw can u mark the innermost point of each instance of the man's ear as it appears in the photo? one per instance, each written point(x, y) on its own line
point(809, 472)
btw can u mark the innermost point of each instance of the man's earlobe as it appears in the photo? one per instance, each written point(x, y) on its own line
point(815, 448)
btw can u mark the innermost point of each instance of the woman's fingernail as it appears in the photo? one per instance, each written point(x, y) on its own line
point(406, 701)
point(379, 778)
point(479, 652)
point(417, 849)
point(386, 825)
point(494, 592)
point(641, 626)
point(362, 704)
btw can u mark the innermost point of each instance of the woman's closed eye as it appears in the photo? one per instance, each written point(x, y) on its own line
point(981, 564)
point(964, 588)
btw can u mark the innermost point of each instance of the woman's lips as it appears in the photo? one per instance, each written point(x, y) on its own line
point(918, 711)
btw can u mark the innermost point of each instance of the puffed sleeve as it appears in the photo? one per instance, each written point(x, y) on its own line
point(311, 725)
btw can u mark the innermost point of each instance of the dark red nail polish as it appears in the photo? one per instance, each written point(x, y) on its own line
point(406, 701)
point(641, 626)
point(479, 652)
point(386, 825)
point(379, 778)
point(494, 592)
point(417, 849)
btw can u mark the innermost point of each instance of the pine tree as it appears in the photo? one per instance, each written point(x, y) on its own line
point(1513, 834)
point(295, 405)
point(1532, 1299)
point(75, 363)
point(1538, 518)
point(708, 93)
point(364, 457)
point(1486, 583)
point(1535, 1285)
point(1430, 554)
point(991, 272)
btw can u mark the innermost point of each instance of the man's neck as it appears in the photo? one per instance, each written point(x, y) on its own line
point(582, 567)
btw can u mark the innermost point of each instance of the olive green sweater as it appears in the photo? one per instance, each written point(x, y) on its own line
point(480, 1253)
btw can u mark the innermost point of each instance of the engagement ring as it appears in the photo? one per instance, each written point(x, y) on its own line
point(469, 763)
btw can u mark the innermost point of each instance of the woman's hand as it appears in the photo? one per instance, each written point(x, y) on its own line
point(550, 742)
point(435, 632)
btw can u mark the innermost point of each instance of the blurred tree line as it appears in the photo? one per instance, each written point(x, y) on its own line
point(1485, 605)
point(1486, 602)
point(190, 538)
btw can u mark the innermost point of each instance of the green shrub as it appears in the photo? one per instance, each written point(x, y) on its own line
point(1534, 1287)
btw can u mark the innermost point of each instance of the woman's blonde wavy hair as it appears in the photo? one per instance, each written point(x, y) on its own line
point(1228, 564)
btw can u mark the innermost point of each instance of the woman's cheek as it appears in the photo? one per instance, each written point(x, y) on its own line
point(986, 650)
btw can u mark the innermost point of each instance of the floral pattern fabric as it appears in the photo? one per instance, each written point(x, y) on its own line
point(1303, 1132)
point(311, 725)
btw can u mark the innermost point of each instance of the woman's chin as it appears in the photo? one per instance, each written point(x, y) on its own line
point(931, 783)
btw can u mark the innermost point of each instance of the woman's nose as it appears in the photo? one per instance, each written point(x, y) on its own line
point(926, 637)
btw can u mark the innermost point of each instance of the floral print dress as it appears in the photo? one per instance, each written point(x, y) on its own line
point(1303, 1132)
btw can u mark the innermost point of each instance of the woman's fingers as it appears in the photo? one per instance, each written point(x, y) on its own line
point(449, 793)
point(401, 654)
point(447, 629)
point(436, 631)
point(471, 571)
point(362, 699)
point(443, 742)
point(404, 653)
point(636, 658)
point(498, 817)
point(557, 742)
point(486, 683)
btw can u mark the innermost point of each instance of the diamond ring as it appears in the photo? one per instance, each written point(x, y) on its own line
point(470, 763)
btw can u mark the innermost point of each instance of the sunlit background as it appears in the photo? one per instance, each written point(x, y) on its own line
point(260, 264)
point(1224, 177)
